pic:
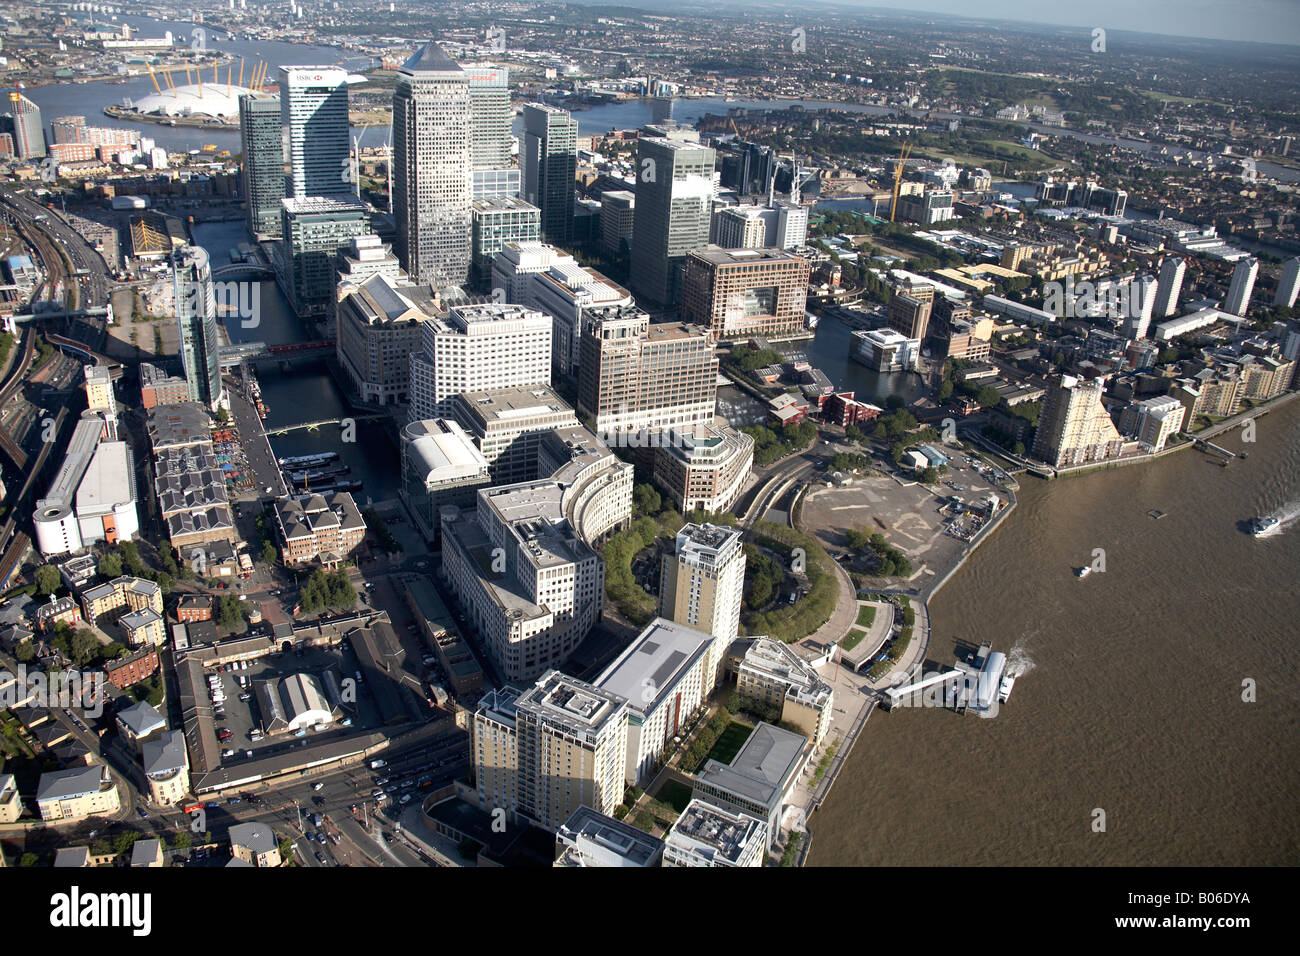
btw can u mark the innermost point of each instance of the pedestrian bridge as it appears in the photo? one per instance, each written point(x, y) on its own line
point(321, 423)
point(244, 269)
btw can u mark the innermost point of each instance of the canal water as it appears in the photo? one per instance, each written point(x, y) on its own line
point(1134, 701)
point(303, 392)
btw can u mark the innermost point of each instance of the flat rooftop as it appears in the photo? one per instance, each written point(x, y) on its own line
point(108, 481)
point(570, 704)
point(716, 255)
point(668, 331)
point(504, 405)
point(709, 832)
point(654, 662)
point(607, 841)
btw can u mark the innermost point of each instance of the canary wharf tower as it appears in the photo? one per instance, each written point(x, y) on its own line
point(432, 172)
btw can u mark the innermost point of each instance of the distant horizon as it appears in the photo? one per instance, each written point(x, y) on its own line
point(1257, 21)
point(1274, 22)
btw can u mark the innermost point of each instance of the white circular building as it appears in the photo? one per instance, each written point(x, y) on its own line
point(211, 99)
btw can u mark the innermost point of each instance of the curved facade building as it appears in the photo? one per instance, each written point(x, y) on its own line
point(56, 530)
point(707, 467)
point(522, 564)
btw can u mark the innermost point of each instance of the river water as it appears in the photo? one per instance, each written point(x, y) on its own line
point(1133, 704)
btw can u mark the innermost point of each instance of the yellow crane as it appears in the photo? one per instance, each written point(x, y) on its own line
point(898, 176)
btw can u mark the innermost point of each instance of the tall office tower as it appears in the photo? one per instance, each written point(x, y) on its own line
point(196, 317)
point(557, 746)
point(548, 163)
point(313, 232)
point(1142, 303)
point(637, 377)
point(489, 115)
point(617, 213)
point(1288, 284)
point(909, 309)
point(478, 348)
point(1243, 284)
point(432, 175)
point(746, 292)
point(262, 142)
point(748, 168)
point(26, 126)
point(494, 175)
point(702, 584)
point(739, 227)
point(1074, 426)
point(674, 196)
point(1170, 286)
point(314, 111)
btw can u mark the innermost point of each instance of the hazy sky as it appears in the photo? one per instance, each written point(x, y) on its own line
point(1271, 21)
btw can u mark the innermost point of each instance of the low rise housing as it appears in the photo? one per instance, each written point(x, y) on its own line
point(774, 674)
point(591, 839)
point(69, 796)
point(759, 779)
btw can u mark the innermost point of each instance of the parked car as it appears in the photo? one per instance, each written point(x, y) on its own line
point(320, 857)
point(224, 733)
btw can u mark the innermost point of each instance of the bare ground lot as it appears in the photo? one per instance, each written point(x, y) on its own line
point(908, 515)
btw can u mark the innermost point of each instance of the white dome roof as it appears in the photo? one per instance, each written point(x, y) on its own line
point(187, 101)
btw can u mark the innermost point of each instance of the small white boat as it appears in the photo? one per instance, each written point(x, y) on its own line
point(1004, 690)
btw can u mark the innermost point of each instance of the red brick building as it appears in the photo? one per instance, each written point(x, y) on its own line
point(193, 607)
point(844, 410)
point(126, 671)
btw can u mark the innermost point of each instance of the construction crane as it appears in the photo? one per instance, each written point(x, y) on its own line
point(898, 176)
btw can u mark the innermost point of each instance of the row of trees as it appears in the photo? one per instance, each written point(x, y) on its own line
point(772, 444)
point(795, 621)
point(704, 740)
point(765, 578)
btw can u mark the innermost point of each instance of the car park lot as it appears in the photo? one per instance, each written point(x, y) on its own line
point(243, 718)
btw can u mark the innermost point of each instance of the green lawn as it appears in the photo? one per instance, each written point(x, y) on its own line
point(866, 616)
point(853, 639)
point(674, 793)
point(729, 744)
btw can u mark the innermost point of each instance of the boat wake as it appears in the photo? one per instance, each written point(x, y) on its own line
point(1019, 662)
point(1286, 516)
